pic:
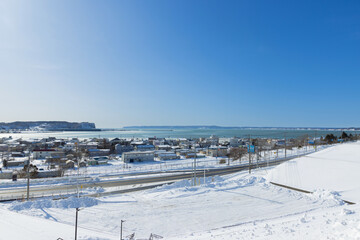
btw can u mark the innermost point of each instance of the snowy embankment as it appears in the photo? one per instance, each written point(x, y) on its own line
point(19, 226)
point(335, 169)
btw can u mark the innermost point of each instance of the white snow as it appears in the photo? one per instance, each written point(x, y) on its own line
point(335, 169)
point(71, 202)
point(236, 206)
point(18, 226)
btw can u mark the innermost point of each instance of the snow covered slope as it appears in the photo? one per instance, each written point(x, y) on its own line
point(335, 169)
point(18, 226)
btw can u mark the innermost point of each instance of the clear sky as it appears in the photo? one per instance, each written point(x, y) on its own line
point(229, 63)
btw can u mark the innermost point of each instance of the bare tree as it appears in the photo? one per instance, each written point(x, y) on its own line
point(237, 153)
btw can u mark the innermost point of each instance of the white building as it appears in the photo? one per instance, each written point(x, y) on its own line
point(217, 151)
point(144, 156)
point(43, 153)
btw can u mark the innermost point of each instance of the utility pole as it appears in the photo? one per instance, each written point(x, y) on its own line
point(250, 153)
point(257, 156)
point(194, 165)
point(307, 142)
point(77, 179)
point(8, 157)
point(76, 222)
point(315, 142)
point(285, 144)
point(121, 229)
point(204, 177)
point(192, 174)
point(28, 179)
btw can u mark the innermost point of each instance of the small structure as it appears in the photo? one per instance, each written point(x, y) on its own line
point(98, 152)
point(131, 157)
point(6, 174)
point(17, 163)
point(119, 148)
point(69, 164)
point(97, 161)
point(82, 164)
point(49, 173)
point(17, 154)
point(146, 147)
point(46, 153)
point(217, 151)
point(190, 155)
point(4, 147)
point(163, 147)
point(184, 152)
point(42, 153)
point(92, 162)
point(234, 142)
point(88, 145)
point(168, 156)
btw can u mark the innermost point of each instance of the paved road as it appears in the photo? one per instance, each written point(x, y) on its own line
point(55, 190)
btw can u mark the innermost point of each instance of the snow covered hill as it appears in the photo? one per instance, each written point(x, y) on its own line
point(335, 169)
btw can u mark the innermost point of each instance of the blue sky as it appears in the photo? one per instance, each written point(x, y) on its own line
point(229, 63)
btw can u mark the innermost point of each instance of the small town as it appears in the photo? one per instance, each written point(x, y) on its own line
point(52, 157)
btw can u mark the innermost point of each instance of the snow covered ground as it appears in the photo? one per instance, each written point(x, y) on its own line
point(335, 169)
point(236, 206)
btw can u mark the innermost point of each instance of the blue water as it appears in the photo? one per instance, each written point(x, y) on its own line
point(180, 133)
point(242, 133)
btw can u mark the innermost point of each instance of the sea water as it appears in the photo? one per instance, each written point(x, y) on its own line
point(179, 133)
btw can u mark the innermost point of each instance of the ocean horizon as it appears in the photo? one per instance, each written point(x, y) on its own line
point(180, 133)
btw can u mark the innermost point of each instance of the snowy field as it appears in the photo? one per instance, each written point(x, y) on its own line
point(335, 169)
point(236, 206)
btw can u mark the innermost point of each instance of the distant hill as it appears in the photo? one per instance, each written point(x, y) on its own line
point(49, 126)
point(176, 127)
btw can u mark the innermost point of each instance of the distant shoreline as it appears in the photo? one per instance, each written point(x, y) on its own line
point(244, 128)
point(47, 126)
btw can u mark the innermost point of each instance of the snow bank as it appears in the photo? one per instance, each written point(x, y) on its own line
point(71, 202)
point(347, 212)
point(327, 197)
point(214, 184)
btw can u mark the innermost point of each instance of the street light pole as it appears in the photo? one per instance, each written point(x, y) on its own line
point(249, 149)
point(121, 229)
point(28, 179)
point(78, 173)
point(76, 222)
point(195, 165)
point(285, 144)
point(204, 176)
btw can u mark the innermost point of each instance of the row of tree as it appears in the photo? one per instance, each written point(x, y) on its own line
point(331, 138)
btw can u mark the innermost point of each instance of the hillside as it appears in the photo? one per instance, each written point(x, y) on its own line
point(48, 126)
